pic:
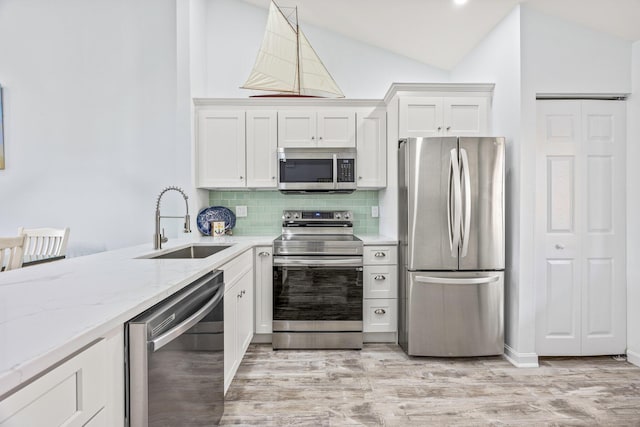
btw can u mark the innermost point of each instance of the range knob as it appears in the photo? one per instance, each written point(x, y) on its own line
point(287, 215)
point(296, 216)
point(337, 215)
point(346, 215)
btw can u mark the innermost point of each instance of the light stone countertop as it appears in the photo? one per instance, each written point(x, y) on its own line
point(49, 311)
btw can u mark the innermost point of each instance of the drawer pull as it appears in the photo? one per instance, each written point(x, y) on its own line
point(380, 311)
point(379, 277)
point(263, 254)
point(380, 255)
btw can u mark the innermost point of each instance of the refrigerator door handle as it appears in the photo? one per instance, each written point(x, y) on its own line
point(454, 223)
point(467, 202)
point(458, 281)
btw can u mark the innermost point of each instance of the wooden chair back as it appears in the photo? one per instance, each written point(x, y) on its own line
point(11, 250)
point(45, 241)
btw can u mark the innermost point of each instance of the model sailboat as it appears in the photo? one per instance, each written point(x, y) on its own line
point(287, 63)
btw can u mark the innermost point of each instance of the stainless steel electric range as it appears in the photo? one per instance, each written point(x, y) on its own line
point(317, 282)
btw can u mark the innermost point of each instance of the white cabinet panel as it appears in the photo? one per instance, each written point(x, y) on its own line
point(330, 128)
point(580, 228)
point(220, 149)
point(264, 289)
point(380, 315)
point(238, 312)
point(70, 395)
point(261, 147)
point(380, 255)
point(465, 116)
point(380, 281)
point(443, 116)
point(371, 146)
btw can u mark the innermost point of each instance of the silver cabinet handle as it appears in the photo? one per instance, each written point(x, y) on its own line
point(320, 138)
point(241, 294)
point(559, 246)
point(439, 127)
point(273, 177)
point(313, 138)
point(379, 255)
point(264, 254)
point(380, 311)
point(241, 177)
point(379, 277)
point(359, 177)
point(448, 127)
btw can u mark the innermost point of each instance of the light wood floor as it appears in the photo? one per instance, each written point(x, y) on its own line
point(381, 386)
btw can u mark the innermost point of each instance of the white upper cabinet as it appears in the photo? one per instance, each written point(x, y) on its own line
point(220, 149)
point(235, 149)
point(371, 163)
point(262, 143)
point(443, 116)
point(331, 128)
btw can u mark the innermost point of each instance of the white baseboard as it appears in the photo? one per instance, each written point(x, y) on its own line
point(633, 357)
point(520, 360)
point(372, 337)
point(261, 339)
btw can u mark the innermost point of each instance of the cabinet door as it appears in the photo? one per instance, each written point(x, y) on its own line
point(262, 142)
point(420, 116)
point(220, 149)
point(371, 163)
point(296, 129)
point(336, 129)
point(466, 116)
point(231, 361)
point(245, 313)
point(264, 290)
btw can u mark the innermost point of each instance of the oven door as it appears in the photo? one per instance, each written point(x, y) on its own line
point(317, 293)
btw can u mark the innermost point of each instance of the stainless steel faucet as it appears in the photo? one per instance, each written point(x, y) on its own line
point(159, 239)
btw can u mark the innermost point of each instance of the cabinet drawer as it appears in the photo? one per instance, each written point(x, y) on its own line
point(380, 281)
point(380, 255)
point(380, 315)
point(70, 395)
point(236, 268)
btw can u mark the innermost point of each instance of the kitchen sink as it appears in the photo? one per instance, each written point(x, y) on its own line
point(191, 251)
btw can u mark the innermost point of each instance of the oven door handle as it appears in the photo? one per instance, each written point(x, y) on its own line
point(164, 339)
point(314, 262)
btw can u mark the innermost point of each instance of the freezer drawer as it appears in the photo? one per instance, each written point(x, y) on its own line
point(454, 314)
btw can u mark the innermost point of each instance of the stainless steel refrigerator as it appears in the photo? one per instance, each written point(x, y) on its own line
point(451, 231)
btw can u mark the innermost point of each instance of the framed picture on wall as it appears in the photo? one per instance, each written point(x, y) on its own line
point(1, 134)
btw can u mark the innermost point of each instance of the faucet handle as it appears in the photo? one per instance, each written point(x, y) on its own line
point(187, 224)
point(163, 238)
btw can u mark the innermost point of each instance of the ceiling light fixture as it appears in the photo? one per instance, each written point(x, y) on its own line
point(459, 2)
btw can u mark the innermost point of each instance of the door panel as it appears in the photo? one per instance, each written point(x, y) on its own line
point(580, 210)
point(485, 236)
point(420, 116)
point(465, 116)
point(427, 162)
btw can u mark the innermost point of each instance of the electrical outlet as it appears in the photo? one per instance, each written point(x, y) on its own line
point(241, 211)
point(375, 213)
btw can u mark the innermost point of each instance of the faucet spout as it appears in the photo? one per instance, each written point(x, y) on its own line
point(160, 238)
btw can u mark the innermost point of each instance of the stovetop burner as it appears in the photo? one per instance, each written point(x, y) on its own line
point(317, 233)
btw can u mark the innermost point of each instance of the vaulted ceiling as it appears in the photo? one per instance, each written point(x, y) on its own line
point(440, 33)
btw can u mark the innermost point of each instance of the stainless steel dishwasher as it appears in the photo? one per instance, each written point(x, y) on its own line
point(175, 359)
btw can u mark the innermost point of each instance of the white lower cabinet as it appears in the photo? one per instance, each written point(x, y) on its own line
point(238, 312)
point(264, 289)
point(86, 389)
point(380, 281)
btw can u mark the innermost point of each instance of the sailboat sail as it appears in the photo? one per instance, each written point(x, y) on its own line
point(287, 63)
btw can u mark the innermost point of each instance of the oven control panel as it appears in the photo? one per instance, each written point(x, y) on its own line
point(320, 216)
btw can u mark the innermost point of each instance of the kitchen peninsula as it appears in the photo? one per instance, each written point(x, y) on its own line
point(52, 313)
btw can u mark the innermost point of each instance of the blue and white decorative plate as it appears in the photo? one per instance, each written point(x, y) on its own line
point(215, 213)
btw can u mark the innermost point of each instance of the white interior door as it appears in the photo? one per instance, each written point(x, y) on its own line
point(580, 237)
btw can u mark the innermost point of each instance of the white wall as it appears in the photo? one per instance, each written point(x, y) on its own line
point(496, 59)
point(557, 57)
point(633, 213)
point(90, 117)
point(235, 31)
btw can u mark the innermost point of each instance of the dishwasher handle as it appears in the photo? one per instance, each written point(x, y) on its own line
point(164, 339)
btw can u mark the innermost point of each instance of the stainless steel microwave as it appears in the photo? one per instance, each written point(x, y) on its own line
point(305, 170)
